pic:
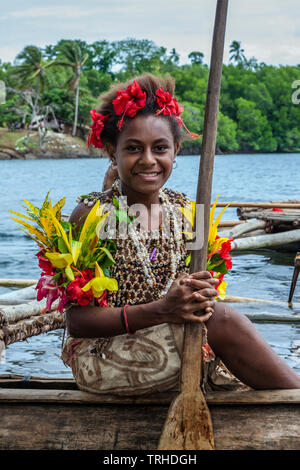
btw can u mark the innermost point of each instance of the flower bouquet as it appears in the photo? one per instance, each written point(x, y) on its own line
point(219, 262)
point(75, 262)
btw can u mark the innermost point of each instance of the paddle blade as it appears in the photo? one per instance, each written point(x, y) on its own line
point(188, 425)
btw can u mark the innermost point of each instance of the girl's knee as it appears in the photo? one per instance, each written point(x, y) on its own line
point(222, 323)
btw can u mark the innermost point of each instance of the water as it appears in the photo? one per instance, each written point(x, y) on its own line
point(237, 177)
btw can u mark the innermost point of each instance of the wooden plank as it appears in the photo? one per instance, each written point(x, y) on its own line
point(112, 427)
point(251, 397)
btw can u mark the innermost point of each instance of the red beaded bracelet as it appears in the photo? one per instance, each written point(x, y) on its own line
point(126, 321)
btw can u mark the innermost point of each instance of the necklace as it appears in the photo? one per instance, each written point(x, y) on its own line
point(138, 238)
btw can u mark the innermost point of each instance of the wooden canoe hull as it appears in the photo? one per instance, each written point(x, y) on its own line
point(62, 417)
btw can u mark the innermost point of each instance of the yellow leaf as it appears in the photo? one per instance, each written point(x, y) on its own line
point(31, 229)
point(34, 209)
point(58, 207)
point(48, 226)
point(222, 290)
point(75, 250)
point(60, 260)
point(59, 229)
point(21, 215)
point(89, 219)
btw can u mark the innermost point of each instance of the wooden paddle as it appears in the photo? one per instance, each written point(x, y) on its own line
point(188, 424)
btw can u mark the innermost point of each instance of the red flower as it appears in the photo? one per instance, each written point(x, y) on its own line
point(102, 301)
point(228, 261)
point(45, 264)
point(74, 289)
point(225, 248)
point(170, 107)
point(129, 101)
point(168, 104)
point(46, 287)
point(97, 127)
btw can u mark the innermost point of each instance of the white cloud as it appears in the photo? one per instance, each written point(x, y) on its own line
point(268, 30)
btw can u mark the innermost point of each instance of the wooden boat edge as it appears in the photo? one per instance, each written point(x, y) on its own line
point(55, 390)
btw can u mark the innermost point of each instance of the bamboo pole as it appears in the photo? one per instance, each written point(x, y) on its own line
point(241, 229)
point(18, 296)
point(237, 299)
point(264, 241)
point(262, 205)
point(17, 282)
point(188, 424)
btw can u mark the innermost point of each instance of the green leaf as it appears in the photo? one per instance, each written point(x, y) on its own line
point(62, 246)
point(108, 254)
point(115, 202)
point(69, 273)
point(221, 268)
point(105, 271)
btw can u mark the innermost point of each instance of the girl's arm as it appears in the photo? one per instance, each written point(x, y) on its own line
point(177, 306)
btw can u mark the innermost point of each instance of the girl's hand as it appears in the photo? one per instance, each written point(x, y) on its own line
point(188, 295)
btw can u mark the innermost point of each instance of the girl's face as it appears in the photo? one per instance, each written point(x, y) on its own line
point(145, 153)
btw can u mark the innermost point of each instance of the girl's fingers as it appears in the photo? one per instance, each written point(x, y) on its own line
point(199, 297)
point(196, 319)
point(195, 283)
point(201, 275)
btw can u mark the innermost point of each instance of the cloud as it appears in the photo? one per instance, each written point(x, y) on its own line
point(268, 30)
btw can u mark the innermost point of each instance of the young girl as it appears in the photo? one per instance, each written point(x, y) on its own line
point(133, 345)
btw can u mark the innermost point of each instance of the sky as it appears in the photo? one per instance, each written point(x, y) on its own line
point(268, 30)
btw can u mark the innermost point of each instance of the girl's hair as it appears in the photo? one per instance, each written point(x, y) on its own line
point(149, 84)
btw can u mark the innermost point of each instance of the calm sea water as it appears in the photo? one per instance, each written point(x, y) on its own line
point(237, 177)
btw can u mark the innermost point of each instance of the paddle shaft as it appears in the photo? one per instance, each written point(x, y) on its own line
point(191, 366)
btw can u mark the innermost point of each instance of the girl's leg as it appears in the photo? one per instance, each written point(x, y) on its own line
point(245, 353)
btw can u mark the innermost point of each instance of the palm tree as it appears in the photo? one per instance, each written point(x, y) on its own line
point(237, 53)
point(72, 56)
point(30, 68)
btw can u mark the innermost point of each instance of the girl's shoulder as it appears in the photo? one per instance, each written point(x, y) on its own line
point(90, 198)
point(176, 197)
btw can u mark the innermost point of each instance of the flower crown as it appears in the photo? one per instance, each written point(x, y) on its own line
point(129, 102)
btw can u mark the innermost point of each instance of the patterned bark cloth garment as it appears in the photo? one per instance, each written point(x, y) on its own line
point(149, 360)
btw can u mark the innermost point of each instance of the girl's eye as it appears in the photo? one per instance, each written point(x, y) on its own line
point(161, 148)
point(133, 148)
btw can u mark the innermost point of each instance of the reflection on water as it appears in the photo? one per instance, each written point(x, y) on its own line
point(261, 274)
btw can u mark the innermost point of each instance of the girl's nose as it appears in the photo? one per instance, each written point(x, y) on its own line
point(148, 157)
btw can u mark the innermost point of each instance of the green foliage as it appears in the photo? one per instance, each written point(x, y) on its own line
point(256, 110)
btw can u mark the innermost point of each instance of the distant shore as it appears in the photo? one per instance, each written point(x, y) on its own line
point(13, 146)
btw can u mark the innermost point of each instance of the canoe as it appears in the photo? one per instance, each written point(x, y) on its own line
point(41, 413)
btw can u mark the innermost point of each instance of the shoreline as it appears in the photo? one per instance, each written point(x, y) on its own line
point(15, 155)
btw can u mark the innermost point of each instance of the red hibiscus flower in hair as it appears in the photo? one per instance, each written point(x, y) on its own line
point(74, 289)
point(129, 101)
point(97, 127)
point(167, 103)
point(169, 107)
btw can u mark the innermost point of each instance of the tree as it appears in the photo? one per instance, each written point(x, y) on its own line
point(72, 56)
point(30, 69)
point(196, 57)
point(237, 53)
point(254, 131)
point(138, 56)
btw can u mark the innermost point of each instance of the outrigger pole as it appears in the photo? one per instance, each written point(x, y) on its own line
point(188, 424)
